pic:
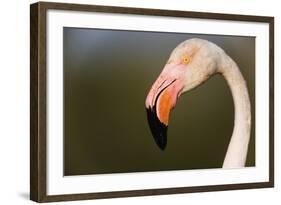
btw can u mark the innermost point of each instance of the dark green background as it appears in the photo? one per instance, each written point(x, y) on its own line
point(107, 75)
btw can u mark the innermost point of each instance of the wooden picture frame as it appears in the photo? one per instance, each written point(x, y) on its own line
point(39, 103)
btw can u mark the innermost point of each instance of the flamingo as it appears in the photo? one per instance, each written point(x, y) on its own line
point(190, 64)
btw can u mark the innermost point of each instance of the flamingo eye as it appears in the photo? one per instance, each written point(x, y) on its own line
point(185, 60)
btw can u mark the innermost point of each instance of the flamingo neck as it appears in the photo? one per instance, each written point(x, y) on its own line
point(238, 146)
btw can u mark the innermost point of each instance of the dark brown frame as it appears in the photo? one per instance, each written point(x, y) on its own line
point(38, 101)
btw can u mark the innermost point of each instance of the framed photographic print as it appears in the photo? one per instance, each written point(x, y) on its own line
point(133, 102)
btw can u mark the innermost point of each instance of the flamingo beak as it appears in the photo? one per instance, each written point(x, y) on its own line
point(159, 103)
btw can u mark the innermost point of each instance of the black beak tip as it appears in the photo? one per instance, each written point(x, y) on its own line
point(157, 128)
point(161, 145)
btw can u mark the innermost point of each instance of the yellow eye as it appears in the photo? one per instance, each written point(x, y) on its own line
point(185, 60)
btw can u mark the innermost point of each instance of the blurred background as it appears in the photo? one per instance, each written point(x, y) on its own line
point(107, 75)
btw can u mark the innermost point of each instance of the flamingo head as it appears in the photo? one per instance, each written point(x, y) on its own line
point(190, 64)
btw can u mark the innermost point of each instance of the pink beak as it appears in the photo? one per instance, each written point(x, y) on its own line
point(160, 101)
